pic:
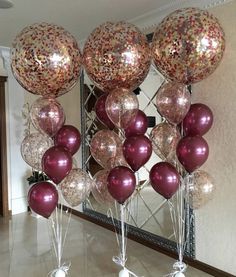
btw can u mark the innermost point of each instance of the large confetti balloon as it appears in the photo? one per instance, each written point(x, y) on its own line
point(117, 55)
point(33, 147)
point(122, 107)
point(173, 102)
point(76, 186)
point(188, 45)
point(47, 115)
point(46, 59)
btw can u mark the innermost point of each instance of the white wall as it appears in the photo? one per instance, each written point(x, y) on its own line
point(216, 222)
point(16, 166)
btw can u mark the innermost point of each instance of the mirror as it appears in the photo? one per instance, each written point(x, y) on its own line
point(149, 213)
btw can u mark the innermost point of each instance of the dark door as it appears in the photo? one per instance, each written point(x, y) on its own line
point(3, 152)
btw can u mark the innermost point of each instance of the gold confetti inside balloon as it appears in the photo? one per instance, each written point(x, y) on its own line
point(121, 107)
point(46, 59)
point(201, 189)
point(117, 55)
point(76, 187)
point(188, 45)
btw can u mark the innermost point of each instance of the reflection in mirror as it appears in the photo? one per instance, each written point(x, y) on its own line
point(149, 213)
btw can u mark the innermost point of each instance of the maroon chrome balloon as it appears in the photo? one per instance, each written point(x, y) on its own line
point(101, 112)
point(121, 183)
point(69, 137)
point(165, 179)
point(57, 163)
point(137, 150)
point(138, 126)
point(198, 120)
point(43, 198)
point(192, 152)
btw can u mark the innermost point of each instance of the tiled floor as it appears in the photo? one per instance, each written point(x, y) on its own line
point(25, 251)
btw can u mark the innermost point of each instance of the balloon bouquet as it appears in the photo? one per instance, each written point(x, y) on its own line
point(117, 58)
point(187, 47)
point(46, 61)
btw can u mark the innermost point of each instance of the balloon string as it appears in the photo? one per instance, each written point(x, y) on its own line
point(65, 267)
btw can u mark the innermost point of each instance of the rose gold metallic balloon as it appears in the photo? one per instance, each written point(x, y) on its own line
point(201, 189)
point(188, 45)
point(173, 102)
point(117, 55)
point(99, 190)
point(46, 59)
point(47, 115)
point(33, 147)
point(105, 145)
point(122, 107)
point(76, 187)
point(165, 138)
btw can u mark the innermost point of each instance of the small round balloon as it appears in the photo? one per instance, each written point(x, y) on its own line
point(201, 189)
point(165, 138)
point(57, 163)
point(99, 190)
point(76, 186)
point(165, 179)
point(138, 126)
point(122, 107)
point(192, 152)
point(69, 137)
point(173, 102)
point(46, 59)
point(117, 55)
point(33, 148)
point(188, 45)
point(198, 120)
point(121, 183)
point(43, 198)
point(101, 113)
point(105, 145)
point(47, 115)
point(137, 151)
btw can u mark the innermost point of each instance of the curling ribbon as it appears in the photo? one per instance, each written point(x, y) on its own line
point(117, 260)
point(65, 267)
point(179, 267)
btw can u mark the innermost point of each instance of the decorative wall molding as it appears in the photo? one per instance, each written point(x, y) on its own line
point(149, 21)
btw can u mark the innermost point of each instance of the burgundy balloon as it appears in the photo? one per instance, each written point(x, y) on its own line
point(137, 150)
point(165, 179)
point(192, 152)
point(121, 183)
point(101, 112)
point(138, 125)
point(43, 198)
point(57, 163)
point(69, 137)
point(198, 120)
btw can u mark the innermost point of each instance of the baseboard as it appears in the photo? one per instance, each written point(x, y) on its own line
point(194, 263)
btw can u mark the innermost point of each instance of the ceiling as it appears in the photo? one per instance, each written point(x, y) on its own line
point(79, 17)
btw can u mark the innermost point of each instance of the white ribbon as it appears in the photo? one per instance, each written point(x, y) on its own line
point(179, 267)
point(65, 267)
point(118, 260)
